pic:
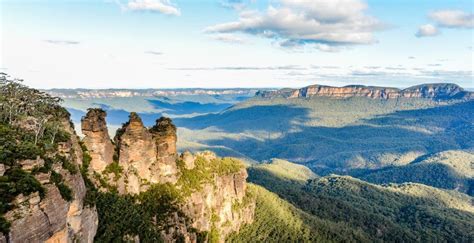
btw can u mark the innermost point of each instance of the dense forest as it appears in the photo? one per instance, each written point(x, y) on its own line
point(359, 211)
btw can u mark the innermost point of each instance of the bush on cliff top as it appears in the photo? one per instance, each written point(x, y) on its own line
point(204, 171)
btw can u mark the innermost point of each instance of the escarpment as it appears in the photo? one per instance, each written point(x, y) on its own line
point(50, 206)
point(200, 197)
point(439, 91)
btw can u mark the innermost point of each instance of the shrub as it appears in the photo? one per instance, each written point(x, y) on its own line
point(4, 225)
point(114, 168)
point(65, 191)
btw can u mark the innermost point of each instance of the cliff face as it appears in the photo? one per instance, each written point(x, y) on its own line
point(212, 191)
point(221, 199)
point(97, 140)
point(49, 217)
point(146, 156)
point(429, 91)
point(220, 205)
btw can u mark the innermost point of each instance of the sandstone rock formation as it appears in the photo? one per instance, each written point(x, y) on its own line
point(137, 154)
point(164, 135)
point(51, 218)
point(145, 156)
point(97, 139)
point(430, 91)
point(216, 206)
point(215, 196)
point(219, 207)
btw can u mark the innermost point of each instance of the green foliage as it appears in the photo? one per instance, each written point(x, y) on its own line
point(204, 171)
point(30, 128)
point(91, 191)
point(14, 182)
point(114, 168)
point(374, 213)
point(18, 101)
point(213, 235)
point(66, 164)
point(20, 182)
point(148, 213)
point(448, 169)
point(333, 135)
point(276, 220)
point(103, 182)
point(86, 160)
point(16, 144)
point(286, 170)
point(64, 190)
point(144, 215)
point(4, 225)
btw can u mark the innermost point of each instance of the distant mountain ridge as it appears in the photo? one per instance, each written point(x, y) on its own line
point(112, 93)
point(437, 91)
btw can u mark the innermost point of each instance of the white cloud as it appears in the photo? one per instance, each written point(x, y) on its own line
point(239, 68)
point(62, 42)
point(229, 38)
point(453, 18)
point(323, 24)
point(160, 6)
point(156, 53)
point(427, 30)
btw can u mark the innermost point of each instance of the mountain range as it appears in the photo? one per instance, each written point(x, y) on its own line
point(437, 91)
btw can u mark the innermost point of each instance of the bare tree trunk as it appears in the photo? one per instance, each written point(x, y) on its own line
point(55, 131)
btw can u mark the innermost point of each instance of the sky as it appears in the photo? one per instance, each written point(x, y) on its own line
point(236, 43)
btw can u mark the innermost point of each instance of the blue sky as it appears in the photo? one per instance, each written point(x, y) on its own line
point(218, 43)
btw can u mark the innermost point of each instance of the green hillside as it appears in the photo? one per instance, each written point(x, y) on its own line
point(449, 169)
point(404, 212)
point(336, 135)
point(278, 221)
point(286, 170)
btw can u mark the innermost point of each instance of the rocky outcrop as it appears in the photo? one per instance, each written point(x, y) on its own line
point(50, 217)
point(440, 91)
point(137, 155)
point(146, 156)
point(221, 205)
point(164, 135)
point(218, 206)
point(437, 91)
point(212, 191)
point(97, 139)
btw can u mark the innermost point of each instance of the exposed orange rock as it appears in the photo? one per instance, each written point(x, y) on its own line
point(97, 140)
point(429, 91)
point(51, 218)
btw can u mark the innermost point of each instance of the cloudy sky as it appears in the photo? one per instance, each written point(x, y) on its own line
point(236, 43)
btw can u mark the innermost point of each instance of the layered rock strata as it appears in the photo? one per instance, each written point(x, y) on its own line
point(217, 201)
point(51, 218)
point(146, 156)
point(97, 139)
point(429, 91)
